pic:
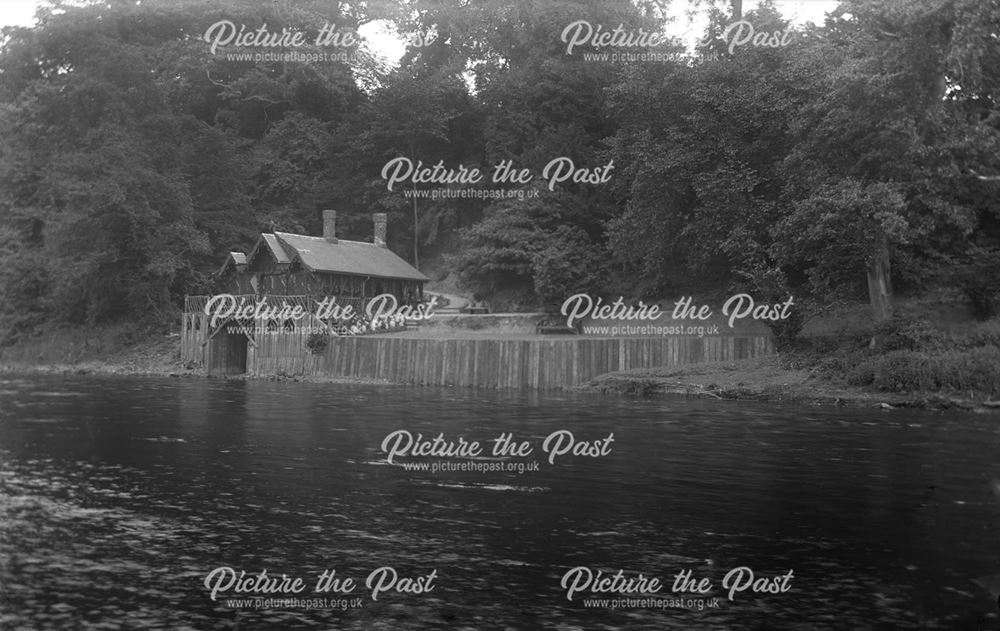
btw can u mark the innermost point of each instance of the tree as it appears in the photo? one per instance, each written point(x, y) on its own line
point(532, 251)
point(698, 155)
point(872, 173)
point(133, 157)
point(423, 115)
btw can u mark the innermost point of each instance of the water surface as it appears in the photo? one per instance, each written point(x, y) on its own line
point(119, 495)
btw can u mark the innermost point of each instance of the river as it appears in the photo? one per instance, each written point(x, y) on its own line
point(118, 497)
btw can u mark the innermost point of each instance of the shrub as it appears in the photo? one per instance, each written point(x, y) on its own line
point(834, 367)
point(905, 371)
point(979, 279)
point(985, 334)
point(862, 374)
point(903, 333)
point(972, 371)
point(786, 332)
point(915, 357)
point(317, 342)
point(831, 356)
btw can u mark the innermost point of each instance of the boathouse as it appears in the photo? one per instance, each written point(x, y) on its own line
point(292, 270)
point(285, 264)
point(298, 270)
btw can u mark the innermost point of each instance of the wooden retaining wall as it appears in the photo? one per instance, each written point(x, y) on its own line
point(194, 332)
point(533, 364)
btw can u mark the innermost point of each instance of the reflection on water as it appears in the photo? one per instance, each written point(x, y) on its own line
point(118, 496)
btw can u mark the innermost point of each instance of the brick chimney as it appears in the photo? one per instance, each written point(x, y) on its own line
point(380, 222)
point(330, 225)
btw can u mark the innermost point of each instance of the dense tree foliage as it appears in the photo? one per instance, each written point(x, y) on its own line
point(861, 158)
point(807, 168)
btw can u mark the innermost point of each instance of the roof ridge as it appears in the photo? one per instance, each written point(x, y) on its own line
point(309, 236)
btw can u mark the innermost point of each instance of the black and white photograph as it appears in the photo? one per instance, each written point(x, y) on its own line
point(500, 315)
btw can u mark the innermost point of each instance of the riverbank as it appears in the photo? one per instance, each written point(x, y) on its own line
point(770, 379)
point(159, 357)
point(760, 379)
point(931, 355)
point(833, 371)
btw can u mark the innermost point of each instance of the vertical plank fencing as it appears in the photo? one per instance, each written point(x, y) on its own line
point(193, 335)
point(541, 364)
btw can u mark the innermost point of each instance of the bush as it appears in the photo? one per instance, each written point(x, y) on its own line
point(829, 355)
point(862, 374)
point(915, 357)
point(834, 367)
point(903, 333)
point(979, 280)
point(905, 371)
point(973, 371)
point(317, 342)
point(985, 334)
point(786, 332)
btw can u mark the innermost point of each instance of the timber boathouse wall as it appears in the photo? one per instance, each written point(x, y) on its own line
point(526, 362)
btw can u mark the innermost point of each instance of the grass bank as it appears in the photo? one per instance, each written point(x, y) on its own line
point(770, 379)
point(121, 349)
point(117, 350)
point(915, 364)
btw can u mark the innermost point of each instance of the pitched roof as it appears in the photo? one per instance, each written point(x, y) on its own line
point(233, 258)
point(346, 257)
point(273, 247)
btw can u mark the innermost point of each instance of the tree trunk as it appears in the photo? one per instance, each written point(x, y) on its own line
point(737, 10)
point(880, 288)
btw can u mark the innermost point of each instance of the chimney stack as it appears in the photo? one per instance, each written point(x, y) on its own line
point(380, 221)
point(330, 225)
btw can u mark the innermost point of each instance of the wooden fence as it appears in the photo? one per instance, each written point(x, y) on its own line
point(495, 363)
point(275, 348)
